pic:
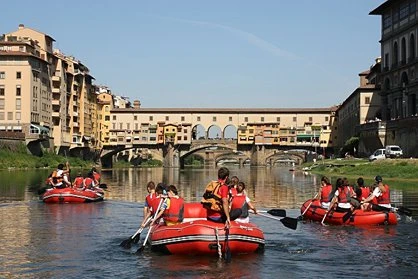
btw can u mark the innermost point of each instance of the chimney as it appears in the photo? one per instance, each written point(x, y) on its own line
point(21, 26)
point(137, 104)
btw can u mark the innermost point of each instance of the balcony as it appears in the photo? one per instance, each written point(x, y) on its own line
point(56, 90)
point(55, 102)
point(75, 124)
point(56, 114)
point(56, 78)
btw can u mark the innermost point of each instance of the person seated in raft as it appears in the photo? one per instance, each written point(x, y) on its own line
point(89, 182)
point(381, 195)
point(172, 209)
point(148, 201)
point(154, 205)
point(343, 196)
point(233, 185)
point(242, 201)
point(326, 193)
point(96, 176)
point(219, 210)
point(78, 181)
point(59, 178)
point(362, 191)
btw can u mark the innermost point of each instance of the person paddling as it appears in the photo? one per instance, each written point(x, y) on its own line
point(172, 209)
point(326, 193)
point(148, 202)
point(242, 201)
point(382, 195)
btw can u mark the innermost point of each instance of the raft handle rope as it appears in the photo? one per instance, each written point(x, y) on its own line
point(218, 244)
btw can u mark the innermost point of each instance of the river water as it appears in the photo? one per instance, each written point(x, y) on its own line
point(82, 240)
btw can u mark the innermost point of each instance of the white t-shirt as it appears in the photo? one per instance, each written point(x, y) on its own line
point(377, 193)
point(246, 219)
point(342, 204)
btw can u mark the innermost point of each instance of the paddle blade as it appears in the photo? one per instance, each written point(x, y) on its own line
point(291, 223)
point(347, 216)
point(140, 250)
point(136, 238)
point(404, 210)
point(277, 212)
point(127, 243)
point(103, 185)
point(228, 255)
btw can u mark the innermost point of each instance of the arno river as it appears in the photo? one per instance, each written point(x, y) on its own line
point(82, 240)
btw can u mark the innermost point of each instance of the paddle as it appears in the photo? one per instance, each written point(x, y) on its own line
point(348, 215)
point(103, 185)
point(325, 216)
point(228, 255)
point(42, 190)
point(400, 210)
point(276, 212)
point(140, 249)
point(288, 222)
point(309, 205)
point(127, 243)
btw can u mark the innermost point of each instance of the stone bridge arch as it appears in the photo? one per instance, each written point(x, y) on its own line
point(240, 158)
point(107, 155)
point(298, 156)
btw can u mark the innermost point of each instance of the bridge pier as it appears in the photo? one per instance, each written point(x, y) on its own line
point(171, 156)
point(258, 155)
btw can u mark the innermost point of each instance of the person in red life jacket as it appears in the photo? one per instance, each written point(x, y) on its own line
point(362, 191)
point(225, 215)
point(326, 192)
point(342, 197)
point(89, 182)
point(242, 201)
point(233, 185)
point(96, 176)
point(148, 200)
point(160, 194)
point(78, 181)
point(382, 195)
point(172, 209)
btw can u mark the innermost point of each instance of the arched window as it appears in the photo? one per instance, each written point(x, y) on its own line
point(403, 51)
point(412, 47)
point(387, 84)
point(395, 54)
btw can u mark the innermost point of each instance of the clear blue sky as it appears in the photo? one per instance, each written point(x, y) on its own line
point(240, 53)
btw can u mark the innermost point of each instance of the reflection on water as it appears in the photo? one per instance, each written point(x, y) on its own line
point(82, 240)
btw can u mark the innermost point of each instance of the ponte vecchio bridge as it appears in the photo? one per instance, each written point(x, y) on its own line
point(260, 136)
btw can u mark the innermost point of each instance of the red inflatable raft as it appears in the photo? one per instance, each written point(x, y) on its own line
point(357, 218)
point(197, 236)
point(70, 195)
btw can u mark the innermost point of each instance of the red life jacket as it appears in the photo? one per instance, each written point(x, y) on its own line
point(88, 182)
point(326, 193)
point(344, 194)
point(149, 198)
point(96, 176)
point(176, 210)
point(154, 204)
point(365, 192)
point(78, 181)
point(385, 197)
point(240, 201)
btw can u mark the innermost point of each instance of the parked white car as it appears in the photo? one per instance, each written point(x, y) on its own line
point(378, 154)
point(393, 151)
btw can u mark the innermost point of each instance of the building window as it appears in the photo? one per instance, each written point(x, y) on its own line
point(1, 115)
point(367, 100)
point(326, 118)
point(18, 75)
point(294, 119)
point(2, 75)
point(107, 117)
point(198, 118)
point(1, 104)
point(114, 117)
point(114, 126)
point(214, 119)
point(230, 118)
point(18, 117)
point(151, 118)
point(128, 126)
point(262, 119)
point(310, 119)
point(278, 119)
point(182, 118)
point(135, 117)
point(10, 115)
point(2, 90)
point(167, 118)
point(245, 119)
point(18, 104)
point(18, 90)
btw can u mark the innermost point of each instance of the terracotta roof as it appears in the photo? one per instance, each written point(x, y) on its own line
point(19, 53)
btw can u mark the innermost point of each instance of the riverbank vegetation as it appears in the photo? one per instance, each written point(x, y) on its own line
point(18, 158)
point(399, 169)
